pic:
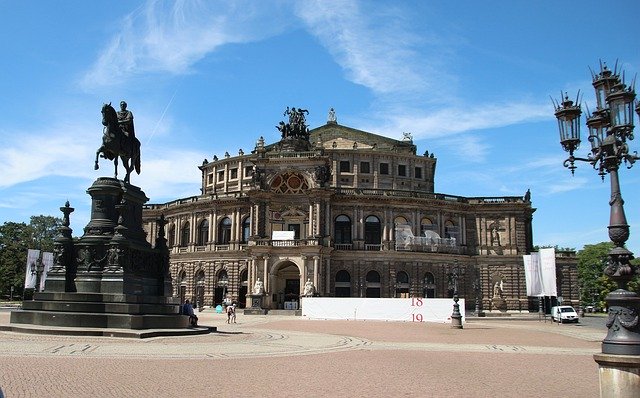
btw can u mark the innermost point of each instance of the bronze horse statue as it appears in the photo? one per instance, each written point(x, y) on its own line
point(117, 143)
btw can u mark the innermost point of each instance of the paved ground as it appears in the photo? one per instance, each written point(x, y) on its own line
point(270, 356)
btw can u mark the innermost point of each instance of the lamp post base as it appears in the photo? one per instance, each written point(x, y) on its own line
point(619, 375)
point(456, 321)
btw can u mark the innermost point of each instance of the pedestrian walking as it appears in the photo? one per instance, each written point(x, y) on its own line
point(230, 313)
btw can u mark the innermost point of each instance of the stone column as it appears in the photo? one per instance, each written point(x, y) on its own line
point(327, 272)
point(316, 230)
point(267, 284)
point(303, 276)
point(316, 267)
point(309, 231)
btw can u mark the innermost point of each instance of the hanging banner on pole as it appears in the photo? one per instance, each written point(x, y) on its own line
point(47, 263)
point(548, 267)
point(30, 274)
point(532, 274)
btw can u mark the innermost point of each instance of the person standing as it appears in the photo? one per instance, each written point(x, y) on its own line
point(230, 311)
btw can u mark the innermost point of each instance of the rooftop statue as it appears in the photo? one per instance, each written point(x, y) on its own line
point(331, 117)
point(297, 126)
point(117, 142)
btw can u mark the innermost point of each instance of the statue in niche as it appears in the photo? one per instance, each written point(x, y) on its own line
point(498, 289)
point(258, 288)
point(495, 234)
point(309, 288)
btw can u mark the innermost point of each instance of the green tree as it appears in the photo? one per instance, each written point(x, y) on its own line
point(44, 230)
point(15, 240)
point(594, 284)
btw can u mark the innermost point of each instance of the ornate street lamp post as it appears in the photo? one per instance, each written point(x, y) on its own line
point(456, 316)
point(610, 126)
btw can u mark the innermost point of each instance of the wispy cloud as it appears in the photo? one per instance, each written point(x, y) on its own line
point(172, 174)
point(567, 185)
point(56, 151)
point(171, 36)
point(374, 47)
point(453, 120)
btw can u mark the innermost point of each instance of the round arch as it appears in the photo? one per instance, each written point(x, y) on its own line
point(343, 284)
point(373, 285)
point(285, 284)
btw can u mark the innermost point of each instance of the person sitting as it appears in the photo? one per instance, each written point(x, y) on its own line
point(187, 309)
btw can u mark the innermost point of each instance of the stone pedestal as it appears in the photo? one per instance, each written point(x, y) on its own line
point(498, 304)
point(619, 375)
point(111, 277)
point(256, 305)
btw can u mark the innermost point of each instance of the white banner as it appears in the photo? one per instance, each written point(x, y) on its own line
point(540, 273)
point(30, 274)
point(548, 268)
point(532, 274)
point(47, 263)
point(381, 309)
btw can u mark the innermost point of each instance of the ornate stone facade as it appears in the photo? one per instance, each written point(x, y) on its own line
point(329, 208)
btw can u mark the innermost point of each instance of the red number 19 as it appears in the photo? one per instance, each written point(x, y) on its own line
point(417, 317)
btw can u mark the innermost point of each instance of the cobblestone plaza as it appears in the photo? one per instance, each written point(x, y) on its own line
point(275, 355)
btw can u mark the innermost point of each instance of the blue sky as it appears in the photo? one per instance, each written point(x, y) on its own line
point(470, 80)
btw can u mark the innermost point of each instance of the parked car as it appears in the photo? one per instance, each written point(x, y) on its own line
point(564, 313)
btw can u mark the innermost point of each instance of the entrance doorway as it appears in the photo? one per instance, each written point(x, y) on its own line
point(287, 286)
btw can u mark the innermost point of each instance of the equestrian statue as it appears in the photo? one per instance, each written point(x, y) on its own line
point(118, 140)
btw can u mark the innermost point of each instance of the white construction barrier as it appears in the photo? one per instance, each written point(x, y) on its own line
point(381, 309)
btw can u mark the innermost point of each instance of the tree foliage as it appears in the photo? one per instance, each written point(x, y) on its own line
point(594, 284)
point(15, 240)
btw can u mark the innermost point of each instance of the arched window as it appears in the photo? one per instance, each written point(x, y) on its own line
point(451, 230)
point(172, 236)
point(224, 231)
point(184, 234)
point(402, 284)
point(429, 290)
point(200, 285)
point(342, 229)
point(221, 289)
point(373, 284)
point(182, 287)
point(401, 221)
point(427, 225)
point(246, 230)
point(203, 233)
point(372, 231)
point(343, 284)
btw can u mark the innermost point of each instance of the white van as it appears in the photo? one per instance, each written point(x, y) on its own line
point(564, 313)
